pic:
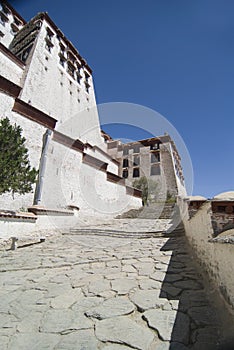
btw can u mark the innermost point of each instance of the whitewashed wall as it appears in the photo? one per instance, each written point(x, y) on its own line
point(33, 133)
point(216, 258)
point(10, 70)
point(51, 89)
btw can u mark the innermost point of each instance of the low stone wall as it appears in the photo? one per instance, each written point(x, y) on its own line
point(28, 228)
point(216, 256)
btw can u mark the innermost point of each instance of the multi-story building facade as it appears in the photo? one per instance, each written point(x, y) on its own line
point(46, 87)
point(155, 158)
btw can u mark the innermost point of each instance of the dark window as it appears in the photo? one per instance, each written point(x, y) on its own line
point(125, 151)
point(125, 163)
point(154, 146)
point(125, 173)
point(62, 61)
point(155, 170)
point(87, 80)
point(136, 172)
point(78, 75)
point(155, 157)
point(70, 69)
point(221, 208)
point(136, 149)
point(136, 160)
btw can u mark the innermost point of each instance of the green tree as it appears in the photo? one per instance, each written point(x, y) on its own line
point(147, 186)
point(16, 174)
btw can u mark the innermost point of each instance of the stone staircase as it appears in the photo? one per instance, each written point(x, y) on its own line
point(153, 211)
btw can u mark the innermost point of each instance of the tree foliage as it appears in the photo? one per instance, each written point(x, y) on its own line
point(147, 186)
point(16, 174)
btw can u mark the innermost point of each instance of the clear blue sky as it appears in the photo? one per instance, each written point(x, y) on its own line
point(176, 57)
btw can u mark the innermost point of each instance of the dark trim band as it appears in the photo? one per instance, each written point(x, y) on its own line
point(94, 162)
point(8, 87)
point(67, 141)
point(34, 114)
point(115, 178)
point(133, 192)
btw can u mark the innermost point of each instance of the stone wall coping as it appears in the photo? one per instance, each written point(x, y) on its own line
point(9, 87)
point(17, 215)
point(40, 210)
point(34, 114)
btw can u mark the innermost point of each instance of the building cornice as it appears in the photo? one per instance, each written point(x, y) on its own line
point(8, 87)
point(34, 114)
point(67, 141)
point(71, 47)
point(94, 162)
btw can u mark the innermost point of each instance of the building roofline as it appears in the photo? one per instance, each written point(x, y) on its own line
point(14, 12)
point(44, 15)
point(163, 138)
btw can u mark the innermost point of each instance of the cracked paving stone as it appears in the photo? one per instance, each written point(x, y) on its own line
point(169, 324)
point(171, 290)
point(188, 284)
point(173, 277)
point(31, 322)
point(149, 284)
point(4, 340)
point(144, 269)
point(123, 330)
point(158, 276)
point(65, 300)
point(128, 268)
point(98, 286)
point(35, 341)
point(123, 285)
point(116, 347)
point(191, 298)
point(147, 299)
point(206, 335)
point(118, 306)
point(7, 321)
point(86, 303)
point(203, 315)
point(64, 321)
point(79, 340)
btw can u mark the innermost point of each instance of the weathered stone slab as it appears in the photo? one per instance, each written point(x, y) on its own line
point(191, 298)
point(123, 285)
point(147, 299)
point(30, 322)
point(98, 286)
point(64, 321)
point(86, 303)
point(123, 330)
point(188, 284)
point(144, 268)
point(118, 306)
point(116, 347)
point(171, 325)
point(65, 300)
point(79, 340)
point(171, 290)
point(128, 268)
point(35, 341)
point(148, 283)
point(158, 276)
point(203, 316)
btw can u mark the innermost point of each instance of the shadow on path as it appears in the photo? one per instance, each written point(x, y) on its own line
point(201, 322)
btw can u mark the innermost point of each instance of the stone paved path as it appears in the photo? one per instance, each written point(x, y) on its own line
point(88, 292)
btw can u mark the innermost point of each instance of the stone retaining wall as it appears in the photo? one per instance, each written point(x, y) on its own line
point(215, 256)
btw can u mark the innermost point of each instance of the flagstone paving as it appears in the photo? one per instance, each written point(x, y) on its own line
point(87, 292)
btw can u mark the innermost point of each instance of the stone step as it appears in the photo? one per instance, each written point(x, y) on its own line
point(114, 233)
